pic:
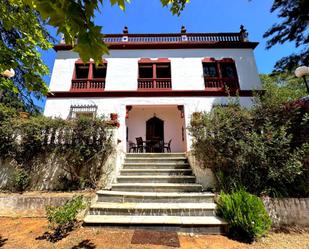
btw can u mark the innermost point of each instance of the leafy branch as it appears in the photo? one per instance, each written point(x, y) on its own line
point(75, 20)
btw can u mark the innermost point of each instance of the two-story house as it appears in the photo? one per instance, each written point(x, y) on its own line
point(154, 82)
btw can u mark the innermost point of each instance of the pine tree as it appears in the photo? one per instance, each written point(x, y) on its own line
point(293, 28)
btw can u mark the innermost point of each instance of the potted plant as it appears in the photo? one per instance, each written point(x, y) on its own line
point(196, 118)
point(114, 116)
point(114, 123)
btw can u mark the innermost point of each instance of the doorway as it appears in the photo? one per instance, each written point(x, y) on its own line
point(155, 131)
point(169, 124)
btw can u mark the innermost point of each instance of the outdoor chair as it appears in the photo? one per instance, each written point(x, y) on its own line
point(132, 147)
point(141, 147)
point(159, 146)
point(167, 146)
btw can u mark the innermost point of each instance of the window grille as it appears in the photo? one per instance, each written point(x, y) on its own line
point(83, 110)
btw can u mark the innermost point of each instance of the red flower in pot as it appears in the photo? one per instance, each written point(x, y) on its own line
point(114, 116)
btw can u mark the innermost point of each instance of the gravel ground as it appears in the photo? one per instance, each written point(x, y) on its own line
point(24, 233)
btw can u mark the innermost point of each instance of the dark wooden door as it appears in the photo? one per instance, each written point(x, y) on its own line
point(155, 129)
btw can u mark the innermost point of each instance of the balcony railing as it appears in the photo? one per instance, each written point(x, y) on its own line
point(172, 38)
point(86, 85)
point(154, 84)
point(221, 83)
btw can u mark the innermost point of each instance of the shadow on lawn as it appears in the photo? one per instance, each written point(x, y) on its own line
point(85, 244)
point(292, 229)
point(59, 233)
point(52, 237)
point(2, 241)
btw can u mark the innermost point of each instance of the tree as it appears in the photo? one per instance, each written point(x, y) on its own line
point(281, 88)
point(75, 19)
point(21, 34)
point(293, 28)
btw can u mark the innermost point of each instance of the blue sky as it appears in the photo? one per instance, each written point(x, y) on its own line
point(148, 16)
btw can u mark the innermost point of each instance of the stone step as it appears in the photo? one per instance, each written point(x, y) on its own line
point(156, 160)
point(196, 224)
point(155, 155)
point(129, 172)
point(157, 187)
point(153, 209)
point(164, 197)
point(157, 191)
point(156, 179)
point(156, 166)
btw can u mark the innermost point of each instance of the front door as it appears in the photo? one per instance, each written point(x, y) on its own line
point(155, 132)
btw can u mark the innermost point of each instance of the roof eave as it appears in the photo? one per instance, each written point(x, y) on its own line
point(169, 45)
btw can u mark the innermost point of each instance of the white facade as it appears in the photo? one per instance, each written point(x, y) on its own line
point(122, 75)
point(186, 68)
point(60, 107)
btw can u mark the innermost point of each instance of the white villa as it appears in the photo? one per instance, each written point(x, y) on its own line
point(154, 82)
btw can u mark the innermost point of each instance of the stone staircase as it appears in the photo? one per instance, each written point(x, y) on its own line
point(156, 190)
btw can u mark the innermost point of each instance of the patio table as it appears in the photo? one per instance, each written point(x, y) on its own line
point(152, 145)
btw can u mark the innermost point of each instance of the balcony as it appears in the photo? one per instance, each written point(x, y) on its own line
point(148, 84)
point(87, 85)
point(220, 84)
point(172, 38)
point(183, 39)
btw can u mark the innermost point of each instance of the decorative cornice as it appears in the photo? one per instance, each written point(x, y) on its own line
point(188, 45)
point(174, 93)
point(62, 47)
point(172, 41)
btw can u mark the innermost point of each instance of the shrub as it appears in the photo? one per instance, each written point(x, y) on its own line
point(245, 213)
point(244, 146)
point(66, 184)
point(20, 180)
point(62, 217)
point(81, 146)
point(7, 141)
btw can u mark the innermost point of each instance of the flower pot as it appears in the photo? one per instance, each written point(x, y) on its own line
point(196, 119)
point(114, 116)
point(113, 123)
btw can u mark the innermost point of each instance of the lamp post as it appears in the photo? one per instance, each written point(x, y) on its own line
point(8, 73)
point(302, 72)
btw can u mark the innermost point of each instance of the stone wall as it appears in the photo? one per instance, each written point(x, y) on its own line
point(111, 168)
point(48, 167)
point(32, 204)
point(6, 172)
point(45, 173)
point(46, 170)
point(288, 211)
point(282, 211)
point(204, 176)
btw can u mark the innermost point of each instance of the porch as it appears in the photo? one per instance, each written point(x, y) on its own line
point(155, 129)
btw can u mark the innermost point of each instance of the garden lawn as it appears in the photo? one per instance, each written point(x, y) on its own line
point(23, 233)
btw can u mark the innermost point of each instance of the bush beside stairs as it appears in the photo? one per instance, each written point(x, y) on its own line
point(156, 190)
